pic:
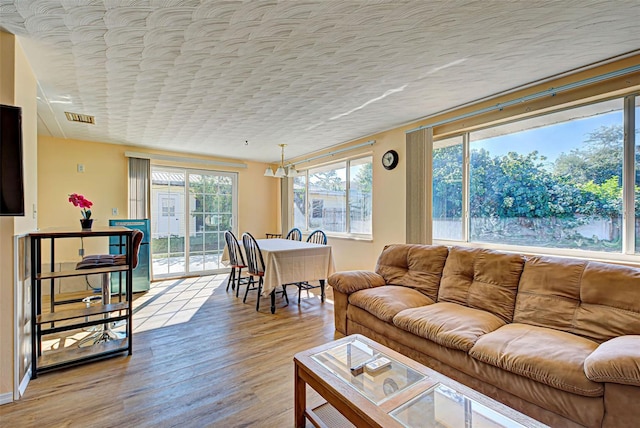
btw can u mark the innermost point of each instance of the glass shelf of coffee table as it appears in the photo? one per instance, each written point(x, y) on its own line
point(377, 387)
point(442, 406)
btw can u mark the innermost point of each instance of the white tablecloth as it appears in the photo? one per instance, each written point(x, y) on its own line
point(288, 261)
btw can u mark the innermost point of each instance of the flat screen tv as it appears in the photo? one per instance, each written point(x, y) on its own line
point(11, 173)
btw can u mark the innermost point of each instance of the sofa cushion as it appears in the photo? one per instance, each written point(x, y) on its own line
point(549, 292)
point(385, 302)
point(482, 279)
point(414, 266)
point(448, 324)
point(596, 300)
point(552, 357)
point(609, 302)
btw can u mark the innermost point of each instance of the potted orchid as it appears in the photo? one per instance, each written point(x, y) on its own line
point(85, 204)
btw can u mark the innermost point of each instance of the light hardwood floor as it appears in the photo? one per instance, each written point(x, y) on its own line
point(201, 358)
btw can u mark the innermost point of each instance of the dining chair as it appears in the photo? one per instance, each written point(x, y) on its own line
point(316, 237)
point(236, 261)
point(294, 234)
point(256, 268)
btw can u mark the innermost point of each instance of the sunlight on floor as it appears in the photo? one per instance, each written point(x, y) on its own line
point(54, 343)
point(173, 301)
point(168, 303)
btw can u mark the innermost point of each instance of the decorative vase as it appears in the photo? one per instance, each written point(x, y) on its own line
point(86, 223)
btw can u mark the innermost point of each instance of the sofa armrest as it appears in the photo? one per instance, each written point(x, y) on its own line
point(345, 283)
point(615, 361)
point(348, 282)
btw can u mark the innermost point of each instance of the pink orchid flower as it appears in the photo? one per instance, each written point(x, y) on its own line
point(82, 202)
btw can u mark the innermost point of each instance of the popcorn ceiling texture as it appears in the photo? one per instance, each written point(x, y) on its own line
point(204, 76)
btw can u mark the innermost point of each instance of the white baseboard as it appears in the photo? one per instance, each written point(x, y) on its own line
point(6, 398)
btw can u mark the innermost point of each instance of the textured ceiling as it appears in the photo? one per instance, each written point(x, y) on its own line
point(204, 76)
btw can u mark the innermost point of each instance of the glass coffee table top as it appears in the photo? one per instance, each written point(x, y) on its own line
point(421, 400)
point(377, 387)
point(441, 406)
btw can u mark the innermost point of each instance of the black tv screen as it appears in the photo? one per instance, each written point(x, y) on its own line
point(11, 178)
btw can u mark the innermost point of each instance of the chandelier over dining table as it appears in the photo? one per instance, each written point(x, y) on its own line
point(282, 171)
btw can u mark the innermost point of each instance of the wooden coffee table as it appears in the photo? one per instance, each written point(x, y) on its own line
point(405, 394)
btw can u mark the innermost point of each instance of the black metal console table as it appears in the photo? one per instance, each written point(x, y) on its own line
point(64, 316)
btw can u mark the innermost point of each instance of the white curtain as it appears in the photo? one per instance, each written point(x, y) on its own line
point(139, 184)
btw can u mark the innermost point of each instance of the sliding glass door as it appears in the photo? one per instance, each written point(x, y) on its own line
point(191, 210)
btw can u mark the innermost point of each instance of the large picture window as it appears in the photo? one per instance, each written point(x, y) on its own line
point(553, 181)
point(335, 197)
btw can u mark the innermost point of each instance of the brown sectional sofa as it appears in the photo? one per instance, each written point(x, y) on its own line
point(557, 339)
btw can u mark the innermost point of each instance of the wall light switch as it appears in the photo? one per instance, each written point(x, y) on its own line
point(114, 211)
point(80, 167)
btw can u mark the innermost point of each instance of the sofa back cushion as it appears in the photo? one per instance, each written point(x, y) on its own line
point(482, 279)
point(549, 292)
point(595, 300)
point(415, 266)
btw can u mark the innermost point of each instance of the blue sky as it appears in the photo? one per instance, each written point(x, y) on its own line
point(550, 141)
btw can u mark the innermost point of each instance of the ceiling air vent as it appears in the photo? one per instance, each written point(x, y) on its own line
point(82, 118)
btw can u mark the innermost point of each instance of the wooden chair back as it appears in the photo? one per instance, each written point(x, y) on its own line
point(236, 258)
point(255, 262)
point(317, 237)
point(295, 234)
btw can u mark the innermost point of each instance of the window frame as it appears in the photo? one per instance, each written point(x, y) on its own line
point(309, 209)
point(627, 253)
point(168, 207)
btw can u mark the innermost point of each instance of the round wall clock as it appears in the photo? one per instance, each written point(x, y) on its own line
point(390, 159)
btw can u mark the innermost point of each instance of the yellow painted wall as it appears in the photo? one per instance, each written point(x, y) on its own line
point(258, 201)
point(105, 183)
point(17, 87)
point(25, 97)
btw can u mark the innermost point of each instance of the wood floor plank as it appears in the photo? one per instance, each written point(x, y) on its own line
point(226, 366)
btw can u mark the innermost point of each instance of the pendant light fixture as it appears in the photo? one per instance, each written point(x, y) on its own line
point(268, 172)
point(280, 172)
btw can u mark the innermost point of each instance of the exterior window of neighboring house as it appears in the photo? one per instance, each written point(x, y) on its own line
point(335, 197)
point(168, 207)
point(316, 208)
point(553, 182)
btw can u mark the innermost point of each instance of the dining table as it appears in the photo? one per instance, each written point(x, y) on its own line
point(289, 262)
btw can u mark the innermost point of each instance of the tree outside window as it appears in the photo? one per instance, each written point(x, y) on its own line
point(553, 181)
